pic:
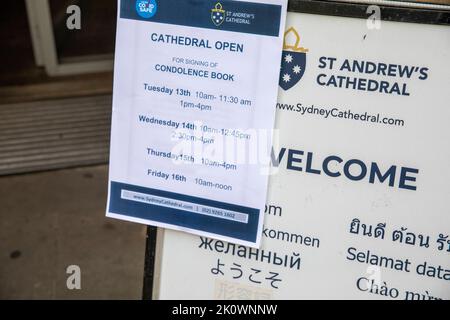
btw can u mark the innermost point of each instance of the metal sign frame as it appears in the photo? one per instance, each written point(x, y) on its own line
point(401, 11)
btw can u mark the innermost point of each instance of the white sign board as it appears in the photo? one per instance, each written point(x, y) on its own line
point(359, 207)
point(194, 86)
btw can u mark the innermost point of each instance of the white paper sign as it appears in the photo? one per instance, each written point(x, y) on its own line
point(194, 93)
point(359, 208)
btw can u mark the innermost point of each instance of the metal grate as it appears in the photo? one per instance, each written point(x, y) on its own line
point(54, 134)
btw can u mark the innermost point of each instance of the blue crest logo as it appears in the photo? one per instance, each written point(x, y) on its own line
point(218, 14)
point(146, 8)
point(293, 61)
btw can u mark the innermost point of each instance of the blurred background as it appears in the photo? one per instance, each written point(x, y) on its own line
point(55, 108)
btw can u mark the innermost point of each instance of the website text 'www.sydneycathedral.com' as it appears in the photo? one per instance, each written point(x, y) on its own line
point(339, 113)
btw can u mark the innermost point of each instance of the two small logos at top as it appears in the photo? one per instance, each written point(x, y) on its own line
point(146, 8)
point(293, 61)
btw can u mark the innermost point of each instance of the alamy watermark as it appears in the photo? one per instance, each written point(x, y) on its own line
point(73, 21)
point(373, 22)
point(73, 281)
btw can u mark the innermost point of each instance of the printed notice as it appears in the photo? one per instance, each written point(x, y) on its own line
point(195, 85)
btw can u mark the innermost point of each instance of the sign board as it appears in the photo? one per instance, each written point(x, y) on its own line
point(358, 208)
point(192, 92)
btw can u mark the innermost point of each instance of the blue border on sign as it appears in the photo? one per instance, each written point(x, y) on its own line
point(233, 229)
